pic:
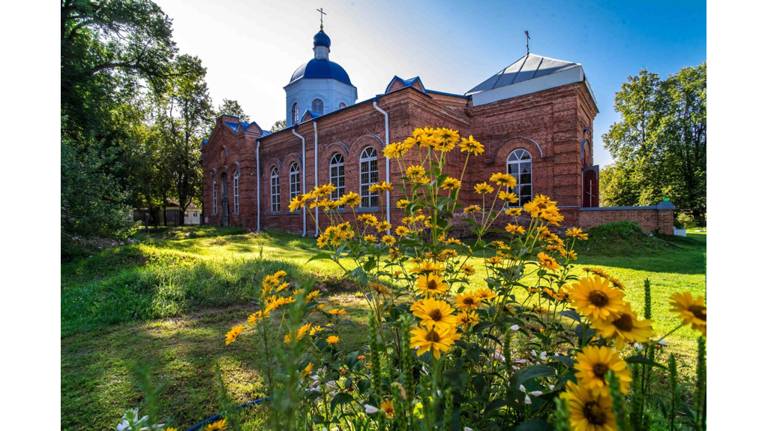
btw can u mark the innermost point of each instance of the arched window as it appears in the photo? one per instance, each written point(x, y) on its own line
point(293, 180)
point(274, 189)
point(336, 175)
point(236, 191)
point(369, 174)
point(342, 105)
point(317, 106)
point(214, 198)
point(295, 113)
point(520, 165)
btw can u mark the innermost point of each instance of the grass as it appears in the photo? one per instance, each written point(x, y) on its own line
point(166, 301)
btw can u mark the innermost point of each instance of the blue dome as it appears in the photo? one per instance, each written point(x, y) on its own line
point(321, 69)
point(322, 39)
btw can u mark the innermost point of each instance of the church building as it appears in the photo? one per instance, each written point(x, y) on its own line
point(534, 118)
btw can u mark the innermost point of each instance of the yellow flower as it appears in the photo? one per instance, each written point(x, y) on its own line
point(446, 254)
point(508, 197)
point(402, 231)
point(333, 339)
point(431, 284)
point(395, 150)
point(315, 329)
point(435, 339)
point(446, 139)
point(514, 229)
point(256, 316)
point(502, 179)
point(692, 310)
point(297, 202)
point(388, 408)
point(171, 429)
point(450, 183)
point(380, 288)
point(468, 270)
point(383, 226)
point(483, 188)
point(593, 363)
point(415, 171)
point(624, 328)
point(471, 209)
point(402, 203)
point(337, 312)
point(471, 146)
point(427, 267)
point(368, 219)
point(589, 410)
point(513, 212)
point(484, 293)
point(547, 261)
point(219, 425)
point(434, 313)
point(369, 238)
point(493, 260)
point(308, 369)
point(388, 240)
point(576, 232)
point(595, 298)
point(467, 300)
point(467, 318)
point(350, 199)
point(233, 334)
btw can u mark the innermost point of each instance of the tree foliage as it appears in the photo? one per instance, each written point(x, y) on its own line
point(660, 143)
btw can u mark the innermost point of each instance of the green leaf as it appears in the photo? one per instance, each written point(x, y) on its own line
point(340, 399)
point(532, 372)
point(639, 359)
point(534, 425)
point(571, 314)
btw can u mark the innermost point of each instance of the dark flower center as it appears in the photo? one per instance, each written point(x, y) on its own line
point(598, 298)
point(469, 300)
point(698, 311)
point(431, 285)
point(594, 414)
point(432, 336)
point(436, 315)
point(624, 323)
point(600, 370)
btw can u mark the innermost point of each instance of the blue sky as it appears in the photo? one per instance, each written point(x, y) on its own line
point(251, 47)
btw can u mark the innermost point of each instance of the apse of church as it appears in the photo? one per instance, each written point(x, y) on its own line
point(534, 118)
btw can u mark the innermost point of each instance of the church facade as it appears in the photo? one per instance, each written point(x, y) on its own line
point(534, 118)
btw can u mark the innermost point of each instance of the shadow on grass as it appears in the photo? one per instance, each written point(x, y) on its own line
point(182, 355)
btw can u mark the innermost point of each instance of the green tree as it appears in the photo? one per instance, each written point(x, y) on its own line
point(183, 120)
point(278, 126)
point(660, 143)
point(232, 107)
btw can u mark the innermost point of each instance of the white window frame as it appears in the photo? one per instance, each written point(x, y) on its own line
point(294, 180)
point(515, 161)
point(322, 106)
point(369, 162)
point(236, 191)
point(274, 189)
point(214, 197)
point(338, 180)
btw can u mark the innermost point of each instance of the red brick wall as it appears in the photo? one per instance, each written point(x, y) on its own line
point(650, 219)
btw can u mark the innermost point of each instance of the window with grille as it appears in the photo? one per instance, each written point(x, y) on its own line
point(336, 175)
point(294, 180)
point(274, 190)
point(369, 174)
point(520, 164)
point(317, 106)
point(236, 191)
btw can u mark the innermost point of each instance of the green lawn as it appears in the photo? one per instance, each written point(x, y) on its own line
point(166, 301)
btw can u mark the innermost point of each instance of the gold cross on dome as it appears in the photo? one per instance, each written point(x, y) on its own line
point(321, 17)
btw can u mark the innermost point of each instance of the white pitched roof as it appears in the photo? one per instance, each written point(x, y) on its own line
point(529, 74)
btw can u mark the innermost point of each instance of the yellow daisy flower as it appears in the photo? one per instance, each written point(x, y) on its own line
point(435, 339)
point(484, 293)
point(332, 339)
point(624, 328)
point(402, 203)
point(593, 363)
point(467, 300)
point(514, 229)
point(431, 284)
point(434, 313)
point(547, 261)
point(388, 240)
point(502, 179)
point(692, 310)
point(576, 232)
point(595, 298)
point(589, 410)
point(483, 188)
point(471, 209)
point(471, 146)
point(219, 425)
point(450, 183)
point(388, 408)
point(467, 318)
point(233, 334)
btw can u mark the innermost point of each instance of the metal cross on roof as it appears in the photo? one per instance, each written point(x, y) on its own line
point(527, 39)
point(321, 17)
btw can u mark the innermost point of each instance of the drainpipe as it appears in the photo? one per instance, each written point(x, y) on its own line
point(386, 142)
point(317, 210)
point(303, 180)
point(258, 187)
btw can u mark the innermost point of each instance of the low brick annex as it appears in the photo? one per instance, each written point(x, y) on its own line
point(537, 126)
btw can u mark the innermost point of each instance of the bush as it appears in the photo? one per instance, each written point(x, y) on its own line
point(529, 345)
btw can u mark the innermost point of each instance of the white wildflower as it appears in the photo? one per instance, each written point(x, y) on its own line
point(371, 410)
